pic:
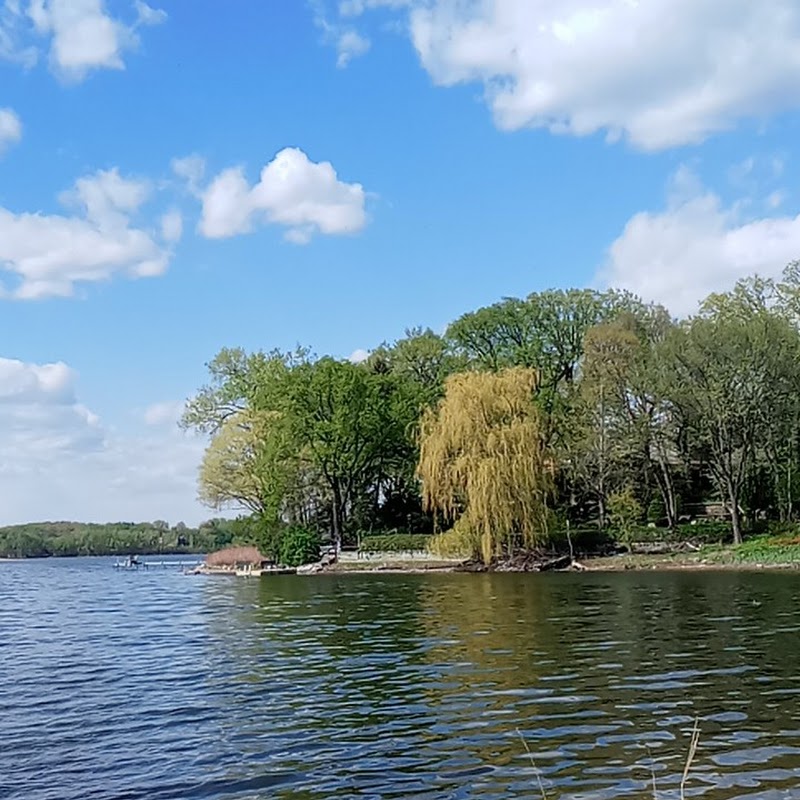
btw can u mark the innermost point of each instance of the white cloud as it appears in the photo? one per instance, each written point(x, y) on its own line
point(32, 383)
point(47, 255)
point(82, 35)
point(91, 473)
point(172, 226)
point(660, 73)
point(696, 246)
point(164, 413)
point(39, 413)
point(352, 8)
point(10, 128)
point(15, 28)
point(357, 356)
point(190, 169)
point(349, 45)
point(146, 15)
point(299, 194)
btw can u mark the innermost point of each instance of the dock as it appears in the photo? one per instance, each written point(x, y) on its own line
point(128, 564)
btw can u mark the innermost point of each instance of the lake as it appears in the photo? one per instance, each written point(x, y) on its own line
point(160, 686)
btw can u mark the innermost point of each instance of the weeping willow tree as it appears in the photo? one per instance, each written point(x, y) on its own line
point(483, 463)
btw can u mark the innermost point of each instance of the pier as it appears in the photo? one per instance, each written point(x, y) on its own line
point(136, 564)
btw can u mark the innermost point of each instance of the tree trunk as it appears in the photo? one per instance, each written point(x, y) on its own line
point(337, 522)
point(666, 486)
point(736, 520)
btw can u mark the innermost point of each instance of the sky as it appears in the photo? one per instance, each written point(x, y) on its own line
point(178, 177)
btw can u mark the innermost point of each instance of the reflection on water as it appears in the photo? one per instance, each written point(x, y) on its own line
point(158, 685)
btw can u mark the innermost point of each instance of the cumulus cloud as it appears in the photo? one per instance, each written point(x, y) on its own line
point(696, 246)
point(81, 34)
point(660, 73)
point(358, 356)
point(303, 196)
point(10, 128)
point(39, 413)
point(45, 255)
point(48, 439)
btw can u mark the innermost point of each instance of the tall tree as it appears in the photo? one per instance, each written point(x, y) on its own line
point(726, 369)
point(483, 462)
point(353, 425)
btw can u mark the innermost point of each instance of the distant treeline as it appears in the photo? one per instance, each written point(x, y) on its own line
point(42, 539)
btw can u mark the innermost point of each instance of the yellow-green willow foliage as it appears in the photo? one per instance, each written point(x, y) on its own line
point(483, 463)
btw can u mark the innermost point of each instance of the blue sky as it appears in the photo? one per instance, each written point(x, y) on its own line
point(179, 177)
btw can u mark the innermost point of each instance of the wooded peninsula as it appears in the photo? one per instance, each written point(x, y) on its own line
point(576, 419)
point(572, 421)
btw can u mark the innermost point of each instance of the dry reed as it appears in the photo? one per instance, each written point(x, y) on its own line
point(234, 556)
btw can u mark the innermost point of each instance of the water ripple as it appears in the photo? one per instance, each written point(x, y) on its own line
point(159, 686)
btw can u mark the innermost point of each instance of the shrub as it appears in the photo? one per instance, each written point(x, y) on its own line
point(299, 546)
point(394, 543)
point(705, 531)
point(656, 510)
point(624, 512)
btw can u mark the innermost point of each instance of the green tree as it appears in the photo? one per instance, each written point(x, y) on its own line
point(625, 513)
point(353, 426)
point(729, 374)
point(299, 546)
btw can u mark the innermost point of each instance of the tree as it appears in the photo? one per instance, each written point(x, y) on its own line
point(625, 512)
point(598, 438)
point(728, 372)
point(483, 462)
point(352, 424)
point(249, 463)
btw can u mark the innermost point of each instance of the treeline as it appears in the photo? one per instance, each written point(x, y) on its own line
point(566, 410)
point(38, 540)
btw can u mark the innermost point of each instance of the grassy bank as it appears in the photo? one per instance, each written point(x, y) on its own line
point(760, 552)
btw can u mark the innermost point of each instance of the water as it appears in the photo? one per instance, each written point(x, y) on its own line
point(159, 686)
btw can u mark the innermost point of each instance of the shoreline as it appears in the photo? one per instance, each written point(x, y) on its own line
point(624, 562)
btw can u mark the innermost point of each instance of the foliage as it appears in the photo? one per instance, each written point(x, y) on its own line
point(88, 539)
point(625, 512)
point(305, 441)
point(656, 511)
point(768, 550)
point(299, 546)
point(586, 406)
point(394, 543)
point(483, 463)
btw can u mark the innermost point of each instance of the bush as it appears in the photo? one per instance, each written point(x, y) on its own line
point(625, 512)
point(299, 546)
point(394, 543)
point(656, 511)
point(705, 531)
point(585, 540)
